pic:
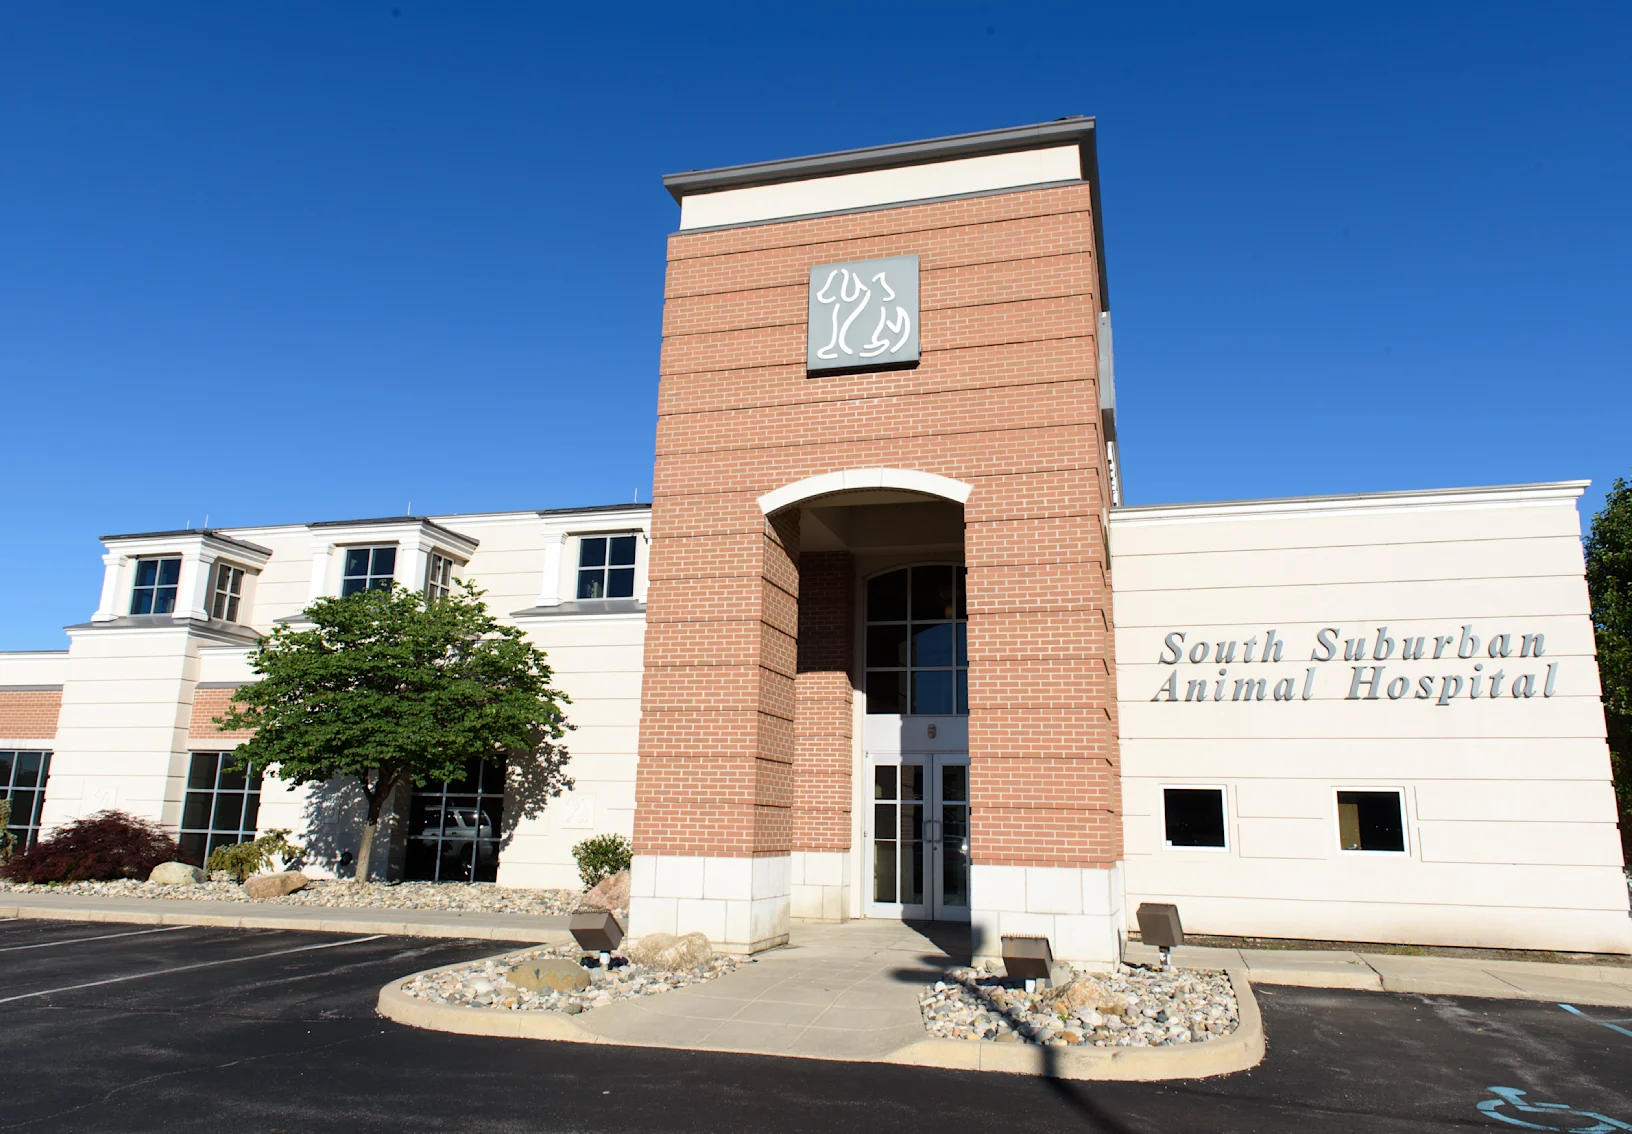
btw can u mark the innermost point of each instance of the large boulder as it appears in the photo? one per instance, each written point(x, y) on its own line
point(1083, 994)
point(176, 874)
point(610, 893)
point(260, 887)
point(549, 974)
point(666, 951)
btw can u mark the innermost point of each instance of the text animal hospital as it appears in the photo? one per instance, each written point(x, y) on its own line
point(1367, 682)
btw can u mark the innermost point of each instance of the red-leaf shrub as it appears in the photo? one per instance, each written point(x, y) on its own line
point(97, 848)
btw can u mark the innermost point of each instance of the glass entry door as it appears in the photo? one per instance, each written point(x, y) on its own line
point(919, 830)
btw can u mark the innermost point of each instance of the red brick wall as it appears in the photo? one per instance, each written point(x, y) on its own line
point(1005, 398)
point(29, 714)
point(824, 709)
point(207, 705)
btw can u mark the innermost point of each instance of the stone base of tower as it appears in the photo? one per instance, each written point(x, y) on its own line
point(741, 905)
point(821, 885)
point(1079, 910)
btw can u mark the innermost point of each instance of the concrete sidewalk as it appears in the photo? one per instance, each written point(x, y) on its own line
point(1605, 985)
point(269, 915)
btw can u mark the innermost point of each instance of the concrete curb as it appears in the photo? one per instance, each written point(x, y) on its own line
point(339, 920)
point(1241, 1049)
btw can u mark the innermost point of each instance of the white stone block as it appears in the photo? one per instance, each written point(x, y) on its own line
point(825, 868)
point(725, 878)
point(643, 876)
point(701, 915)
point(652, 915)
point(807, 900)
point(679, 876)
point(738, 922)
point(1101, 891)
point(998, 887)
point(1085, 938)
point(1055, 890)
point(834, 902)
point(1026, 925)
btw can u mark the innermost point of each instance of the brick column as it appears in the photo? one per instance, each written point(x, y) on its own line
point(714, 785)
point(1044, 785)
point(823, 744)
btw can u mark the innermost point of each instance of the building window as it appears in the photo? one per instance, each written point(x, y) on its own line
point(229, 589)
point(454, 827)
point(221, 806)
point(155, 590)
point(1371, 821)
point(1194, 817)
point(438, 576)
point(368, 569)
point(917, 641)
point(22, 781)
point(606, 567)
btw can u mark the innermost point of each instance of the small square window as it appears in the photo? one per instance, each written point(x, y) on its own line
point(438, 576)
point(1194, 817)
point(606, 567)
point(155, 589)
point(229, 589)
point(1371, 821)
point(368, 569)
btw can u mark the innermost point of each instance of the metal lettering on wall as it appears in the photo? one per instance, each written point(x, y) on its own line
point(1502, 666)
point(863, 314)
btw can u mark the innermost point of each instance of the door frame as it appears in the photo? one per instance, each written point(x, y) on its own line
point(933, 840)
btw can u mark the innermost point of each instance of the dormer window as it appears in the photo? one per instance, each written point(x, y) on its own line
point(156, 582)
point(438, 576)
point(228, 592)
point(606, 567)
point(368, 569)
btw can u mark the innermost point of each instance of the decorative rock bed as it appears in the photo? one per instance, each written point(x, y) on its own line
point(482, 897)
point(1130, 1007)
point(483, 984)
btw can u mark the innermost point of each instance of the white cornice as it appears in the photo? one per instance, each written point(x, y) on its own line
point(1553, 492)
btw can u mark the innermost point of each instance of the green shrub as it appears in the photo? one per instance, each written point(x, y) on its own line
point(8, 841)
point(243, 859)
point(602, 856)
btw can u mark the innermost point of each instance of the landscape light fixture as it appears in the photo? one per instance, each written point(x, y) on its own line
point(596, 932)
point(1029, 958)
point(1159, 926)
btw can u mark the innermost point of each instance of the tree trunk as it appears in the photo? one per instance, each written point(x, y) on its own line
point(371, 826)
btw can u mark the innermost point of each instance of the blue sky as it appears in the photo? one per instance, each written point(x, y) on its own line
point(285, 262)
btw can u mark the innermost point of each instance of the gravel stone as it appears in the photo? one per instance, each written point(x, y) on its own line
point(480, 897)
point(1161, 1009)
point(482, 984)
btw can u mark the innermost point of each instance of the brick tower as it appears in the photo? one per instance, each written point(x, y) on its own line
point(873, 360)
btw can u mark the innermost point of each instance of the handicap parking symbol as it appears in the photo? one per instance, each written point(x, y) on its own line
point(1510, 1102)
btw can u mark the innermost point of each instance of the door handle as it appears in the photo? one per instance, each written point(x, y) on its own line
point(932, 832)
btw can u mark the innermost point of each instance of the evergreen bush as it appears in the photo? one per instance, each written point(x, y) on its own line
point(602, 856)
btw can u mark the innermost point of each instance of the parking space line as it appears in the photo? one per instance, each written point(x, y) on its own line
point(103, 937)
point(190, 968)
point(1613, 1026)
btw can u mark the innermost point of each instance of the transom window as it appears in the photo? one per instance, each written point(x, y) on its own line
point(22, 780)
point(438, 576)
point(917, 641)
point(156, 582)
point(229, 588)
point(221, 806)
point(368, 569)
point(606, 567)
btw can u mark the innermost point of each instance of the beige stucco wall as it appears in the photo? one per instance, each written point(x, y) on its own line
point(1511, 836)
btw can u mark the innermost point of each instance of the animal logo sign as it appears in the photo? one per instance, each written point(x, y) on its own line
point(863, 314)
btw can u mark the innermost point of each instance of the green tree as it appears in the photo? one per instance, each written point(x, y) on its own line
point(1609, 581)
point(387, 687)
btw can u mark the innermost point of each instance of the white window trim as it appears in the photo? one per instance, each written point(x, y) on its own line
point(1405, 821)
point(576, 538)
point(1224, 800)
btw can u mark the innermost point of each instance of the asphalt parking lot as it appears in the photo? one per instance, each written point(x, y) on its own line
point(126, 1028)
